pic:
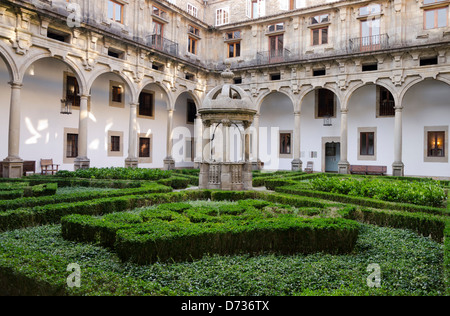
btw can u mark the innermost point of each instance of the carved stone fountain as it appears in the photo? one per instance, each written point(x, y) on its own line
point(226, 106)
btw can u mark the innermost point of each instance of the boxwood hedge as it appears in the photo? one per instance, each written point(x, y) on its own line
point(181, 232)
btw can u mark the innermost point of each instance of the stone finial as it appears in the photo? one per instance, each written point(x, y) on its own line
point(227, 76)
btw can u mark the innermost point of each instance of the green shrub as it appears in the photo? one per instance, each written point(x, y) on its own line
point(190, 232)
point(425, 192)
point(117, 173)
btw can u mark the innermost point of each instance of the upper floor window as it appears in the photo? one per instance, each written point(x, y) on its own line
point(222, 16)
point(319, 36)
point(115, 11)
point(432, 1)
point(275, 27)
point(370, 9)
point(255, 8)
point(193, 30)
point(288, 4)
point(324, 18)
point(159, 13)
point(233, 35)
point(192, 10)
point(435, 18)
point(192, 45)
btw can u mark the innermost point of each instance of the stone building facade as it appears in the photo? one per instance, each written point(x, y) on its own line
point(334, 83)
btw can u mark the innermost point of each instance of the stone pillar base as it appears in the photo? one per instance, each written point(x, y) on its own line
point(398, 169)
point(12, 168)
point(169, 163)
point(82, 163)
point(256, 165)
point(344, 167)
point(297, 165)
point(131, 163)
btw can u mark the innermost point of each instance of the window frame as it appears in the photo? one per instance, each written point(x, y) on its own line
point(285, 153)
point(318, 112)
point(436, 129)
point(146, 159)
point(68, 131)
point(115, 5)
point(366, 155)
point(152, 97)
point(320, 39)
point(222, 16)
point(112, 102)
point(436, 17)
point(111, 152)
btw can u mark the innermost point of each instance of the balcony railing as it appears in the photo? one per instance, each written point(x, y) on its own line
point(162, 44)
point(369, 43)
point(273, 56)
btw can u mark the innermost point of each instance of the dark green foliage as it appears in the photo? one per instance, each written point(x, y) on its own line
point(181, 232)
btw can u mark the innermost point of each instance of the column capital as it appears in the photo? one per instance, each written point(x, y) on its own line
point(134, 105)
point(297, 113)
point(398, 108)
point(344, 111)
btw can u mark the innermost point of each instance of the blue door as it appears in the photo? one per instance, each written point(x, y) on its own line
point(332, 156)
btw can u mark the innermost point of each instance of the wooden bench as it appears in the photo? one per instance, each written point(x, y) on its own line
point(368, 170)
point(47, 166)
point(309, 167)
point(29, 167)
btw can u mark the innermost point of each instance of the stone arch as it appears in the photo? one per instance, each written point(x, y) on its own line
point(350, 92)
point(134, 97)
point(170, 97)
point(299, 103)
point(67, 61)
point(197, 100)
point(262, 97)
point(11, 65)
point(414, 82)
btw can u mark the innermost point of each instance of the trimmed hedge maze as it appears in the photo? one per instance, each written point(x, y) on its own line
point(138, 232)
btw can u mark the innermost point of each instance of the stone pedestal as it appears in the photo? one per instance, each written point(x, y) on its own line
point(344, 167)
point(82, 163)
point(297, 165)
point(256, 165)
point(398, 169)
point(131, 163)
point(12, 168)
point(169, 163)
point(228, 176)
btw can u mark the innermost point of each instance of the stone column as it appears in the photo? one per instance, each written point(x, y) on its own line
point(343, 163)
point(198, 141)
point(132, 160)
point(247, 177)
point(297, 163)
point(247, 141)
point(13, 165)
point(256, 163)
point(169, 162)
point(82, 161)
point(398, 168)
point(206, 141)
point(226, 140)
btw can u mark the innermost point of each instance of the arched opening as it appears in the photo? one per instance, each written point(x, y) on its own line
point(44, 131)
point(426, 121)
point(276, 132)
point(184, 140)
point(5, 92)
point(152, 124)
point(108, 125)
point(371, 118)
point(320, 130)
